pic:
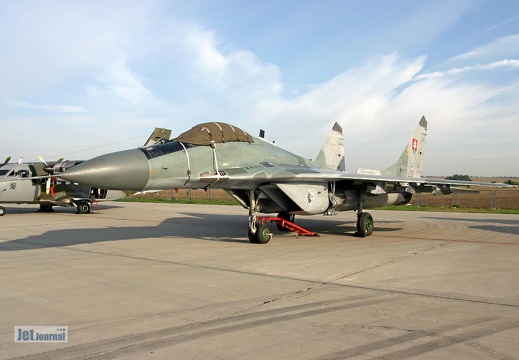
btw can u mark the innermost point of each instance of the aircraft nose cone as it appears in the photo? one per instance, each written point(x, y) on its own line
point(123, 170)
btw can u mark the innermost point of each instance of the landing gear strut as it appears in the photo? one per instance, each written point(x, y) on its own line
point(258, 233)
point(365, 222)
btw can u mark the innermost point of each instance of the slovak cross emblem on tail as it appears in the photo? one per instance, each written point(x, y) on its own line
point(415, 146)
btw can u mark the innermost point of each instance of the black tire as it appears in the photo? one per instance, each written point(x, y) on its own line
point(262, 235)
point(46, 208)
point(2, 211)
point(84, 208)
point(285, 216)
point(365, 225)
point(252, 238)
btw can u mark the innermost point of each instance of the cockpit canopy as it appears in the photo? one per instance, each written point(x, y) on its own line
point(199, 135)
point(213, 132)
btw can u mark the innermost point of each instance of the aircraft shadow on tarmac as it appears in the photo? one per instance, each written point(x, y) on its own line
point(15, 210)
point(210, 227)
point(505, 226)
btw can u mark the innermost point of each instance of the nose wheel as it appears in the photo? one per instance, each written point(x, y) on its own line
point(261, 236)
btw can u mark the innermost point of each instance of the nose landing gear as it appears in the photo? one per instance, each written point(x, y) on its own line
point(259, 233)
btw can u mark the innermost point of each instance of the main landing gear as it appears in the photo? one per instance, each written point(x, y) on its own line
point(82, 206)
point(365, 222)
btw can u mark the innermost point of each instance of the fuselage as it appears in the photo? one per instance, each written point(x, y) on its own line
point(200, 166)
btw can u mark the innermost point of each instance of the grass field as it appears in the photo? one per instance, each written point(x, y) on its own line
point(507, 199)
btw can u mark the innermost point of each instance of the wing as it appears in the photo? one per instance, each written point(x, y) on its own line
point(265, 173)
point(308, 191)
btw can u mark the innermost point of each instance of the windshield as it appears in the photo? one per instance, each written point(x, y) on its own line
point(164, 149)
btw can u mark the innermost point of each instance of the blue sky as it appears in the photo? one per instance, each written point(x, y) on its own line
point(82, 78)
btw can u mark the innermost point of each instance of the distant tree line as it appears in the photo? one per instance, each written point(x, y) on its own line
point(511, 182)
point(459, 177)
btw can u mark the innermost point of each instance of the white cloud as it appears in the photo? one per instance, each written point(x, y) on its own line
point(506, 63)
point(117, 82)
point(239, 73)
point(205, 54)
point(504, 47)
point(50, 43)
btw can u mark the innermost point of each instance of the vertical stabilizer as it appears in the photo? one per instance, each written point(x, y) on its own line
point(331, 155)
point(410, 163)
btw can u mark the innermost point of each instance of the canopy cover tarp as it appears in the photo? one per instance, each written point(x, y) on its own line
point(213, 132)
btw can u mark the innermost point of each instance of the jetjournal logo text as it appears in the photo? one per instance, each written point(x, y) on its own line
point(40, 334)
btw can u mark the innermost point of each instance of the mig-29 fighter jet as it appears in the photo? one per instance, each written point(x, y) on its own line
point(264, 178)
